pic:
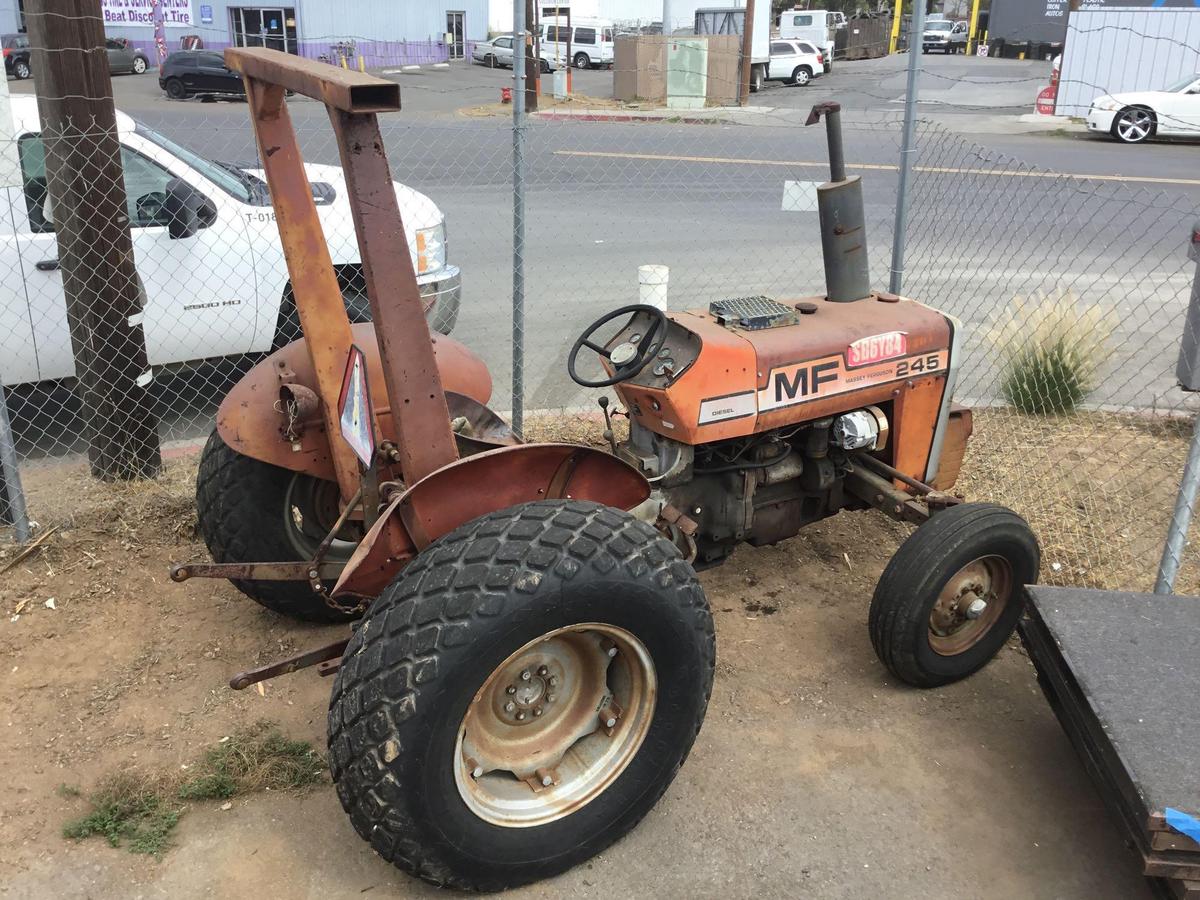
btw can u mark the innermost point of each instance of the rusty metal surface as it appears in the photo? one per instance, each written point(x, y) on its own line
point(883, 468)
point(343, 89)
point(555, 724)
point(481, 484)
point(260, 571)
point(952, 628)
point(883, 495)
point(410, 372)
point(476, 428)
point(254, 401)
point(243, 680)
point(314, 283)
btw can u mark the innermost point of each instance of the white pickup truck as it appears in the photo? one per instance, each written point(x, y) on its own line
point(220, 291)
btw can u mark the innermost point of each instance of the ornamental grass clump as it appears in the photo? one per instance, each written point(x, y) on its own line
point(1051, 350)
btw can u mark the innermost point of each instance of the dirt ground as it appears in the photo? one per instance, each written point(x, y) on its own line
point(813, 774)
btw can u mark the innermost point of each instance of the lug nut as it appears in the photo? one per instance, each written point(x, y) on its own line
point(610, 721)
point(542, 670)
point(553, 681)
point(511, 689)
point(525, 675)
point(612, 651)
point(549, 698)
point(477, 772)
point(509, 706)
point(545, 776)
point(521, 716)
point(537, 711)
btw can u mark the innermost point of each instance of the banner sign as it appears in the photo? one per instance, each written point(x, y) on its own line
point(140, 13)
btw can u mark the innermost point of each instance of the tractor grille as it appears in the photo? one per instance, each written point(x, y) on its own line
point(752, 313)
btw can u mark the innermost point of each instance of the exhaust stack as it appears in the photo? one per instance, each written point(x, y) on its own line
point(843, 221)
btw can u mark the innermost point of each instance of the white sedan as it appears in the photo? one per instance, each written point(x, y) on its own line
point(499, 52)
point(1140, 115)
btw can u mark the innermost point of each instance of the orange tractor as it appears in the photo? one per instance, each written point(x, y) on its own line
point(530, 653)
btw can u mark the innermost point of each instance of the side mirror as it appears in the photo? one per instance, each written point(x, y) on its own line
point(186, 210)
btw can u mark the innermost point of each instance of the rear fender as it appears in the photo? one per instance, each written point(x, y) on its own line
point(251, 418)
point(479, 484)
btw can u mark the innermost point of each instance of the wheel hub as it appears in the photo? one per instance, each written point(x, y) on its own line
point(554, 724)
point(969, 604)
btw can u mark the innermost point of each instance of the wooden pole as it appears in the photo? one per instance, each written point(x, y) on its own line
point(747, 51)
point(532, 63)
point(95, 251)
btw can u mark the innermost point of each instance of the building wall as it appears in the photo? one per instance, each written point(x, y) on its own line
point(385, 32)
point(1046, 20)
point(623, 12)
point(1110, 51)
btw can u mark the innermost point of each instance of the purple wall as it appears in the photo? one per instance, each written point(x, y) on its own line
point(376, 54)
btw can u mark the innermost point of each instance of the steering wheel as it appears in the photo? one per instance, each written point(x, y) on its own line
point(627, 358)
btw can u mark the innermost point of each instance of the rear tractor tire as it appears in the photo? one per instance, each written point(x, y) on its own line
point(521, 694)
point(951, 596)
point(251, 511)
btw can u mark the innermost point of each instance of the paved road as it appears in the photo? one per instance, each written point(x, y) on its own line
point(987, 225)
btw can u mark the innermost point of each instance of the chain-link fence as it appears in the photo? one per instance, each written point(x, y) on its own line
point(1071, 289)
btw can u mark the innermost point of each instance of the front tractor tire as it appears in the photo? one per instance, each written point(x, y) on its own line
point(952, 594)
point(250, 511)
point(521, 694)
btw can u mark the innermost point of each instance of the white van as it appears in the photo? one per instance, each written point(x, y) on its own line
point(817, 26)
point(591, 43)
point(216, 285)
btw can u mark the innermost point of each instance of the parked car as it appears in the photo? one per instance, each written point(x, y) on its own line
point(207, 249)
point(590, 41)
point(944, 35)
point(186, 73)
point(16, 55)
point(1137, 116)
point(797, 62)
point(124, 57)
point(499, 52)
point(816, 26)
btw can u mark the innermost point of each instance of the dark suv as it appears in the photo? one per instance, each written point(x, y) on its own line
point(189, 72)
point(16, 55)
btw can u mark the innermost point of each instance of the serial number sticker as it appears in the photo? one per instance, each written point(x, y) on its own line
point(814, 379)
point(721, 409)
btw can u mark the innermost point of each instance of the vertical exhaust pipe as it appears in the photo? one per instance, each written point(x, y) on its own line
point(843, 221)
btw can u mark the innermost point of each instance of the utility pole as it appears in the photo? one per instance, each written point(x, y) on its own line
point(747, 50)
point(532, 63)
point(899, 234)
point(95, 251)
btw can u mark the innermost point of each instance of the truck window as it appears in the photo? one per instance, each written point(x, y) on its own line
point(585, 35)
point(145, 186)
point(802, 20)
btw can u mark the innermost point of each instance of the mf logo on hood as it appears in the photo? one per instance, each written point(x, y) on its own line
point(877, 347)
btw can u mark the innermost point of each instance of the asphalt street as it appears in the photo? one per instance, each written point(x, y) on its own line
point(994, 215)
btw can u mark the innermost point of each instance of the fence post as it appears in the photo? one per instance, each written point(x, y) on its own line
point(12, 497)
point(1188, 373)
point(518, 292)
point(915, 32)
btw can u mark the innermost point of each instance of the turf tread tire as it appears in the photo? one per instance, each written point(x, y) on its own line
point(436, 622)
point(239, 502)
point(899, 616)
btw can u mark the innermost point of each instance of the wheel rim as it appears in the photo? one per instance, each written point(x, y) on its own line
point(554, 725)
point(801, 77)
point(1135, 125)
point(139, 66)
point(581, 61)
point(956, 623)
point(311, 508)
point(22, 70)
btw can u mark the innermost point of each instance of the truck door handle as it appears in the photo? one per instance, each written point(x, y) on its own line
point(47, 265)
